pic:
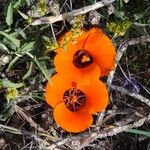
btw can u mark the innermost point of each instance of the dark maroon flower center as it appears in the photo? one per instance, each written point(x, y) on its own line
point(82, 58)
point(74, 99)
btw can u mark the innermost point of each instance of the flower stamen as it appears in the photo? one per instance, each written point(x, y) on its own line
point(82, 58)
point(85, 59)
point(74, 99)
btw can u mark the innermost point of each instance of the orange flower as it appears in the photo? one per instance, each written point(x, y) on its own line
point(75, 102)
point(85, 52)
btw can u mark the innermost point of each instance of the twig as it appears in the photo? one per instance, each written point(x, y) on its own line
point(33, 124)
point(84, 141)
point(100, 117)
point(81, 11)
point(135, 95)
point(9, 129)
point(122, 48)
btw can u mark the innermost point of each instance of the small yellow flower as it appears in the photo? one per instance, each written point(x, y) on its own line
point(76, 31)
point(119, 28)
point(11, 93)
point(51, 45)
point(77, 24)
point(42, 7)
point(29, 20)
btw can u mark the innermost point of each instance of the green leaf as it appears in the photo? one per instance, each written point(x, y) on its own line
point(13, 62)
point(41, 65)
point(8, 84)
point(47, 39)
point(27, 47)
point(9, 129)
point(11, 38)
point(7, 30)
point(28, 2)
point(23, 15)
point(9, 15)
point(43, 68)
point(18, 4)
point(6, 112)
point(2, 46)
point(21, 32)
point(119, 14)
point(137, 131)
point(29, 72)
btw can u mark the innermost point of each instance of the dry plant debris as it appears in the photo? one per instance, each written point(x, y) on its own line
point(29, 39)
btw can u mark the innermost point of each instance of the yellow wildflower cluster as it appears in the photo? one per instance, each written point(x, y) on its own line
point(29, 20)
point(64, 44)
point(42, 7)
point(77, 24)
point(11, 93)
point(51, 45)
point(76, 30)
point(119, 28)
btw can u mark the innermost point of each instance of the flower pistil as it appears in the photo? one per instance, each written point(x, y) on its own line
point(82, 58)
point(74, 99)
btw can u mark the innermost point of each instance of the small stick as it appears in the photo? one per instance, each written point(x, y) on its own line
point(135, 95)
point(84, 141)
point(122, 48)
point(33, 124)
point(77, 12)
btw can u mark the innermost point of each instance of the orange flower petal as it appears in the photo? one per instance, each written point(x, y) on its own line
point(64, 65)
point(95, 42)
point(72, 121)
point(55, 89)
point(102, 49)
point(96, 96)
point(64, 61)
